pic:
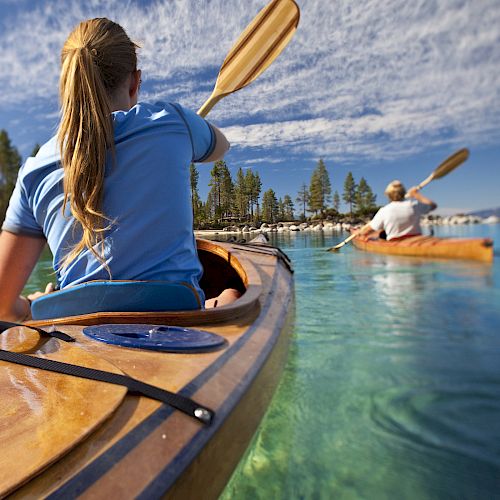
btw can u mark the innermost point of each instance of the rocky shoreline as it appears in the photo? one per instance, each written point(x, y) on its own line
point(327, 225)
point(437, 220)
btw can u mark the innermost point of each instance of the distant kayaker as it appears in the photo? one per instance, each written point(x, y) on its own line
point(110, 193)
point(401, 217)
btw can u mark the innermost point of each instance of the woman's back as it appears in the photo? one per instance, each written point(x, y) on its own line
point(111, 192)
point(147, 199)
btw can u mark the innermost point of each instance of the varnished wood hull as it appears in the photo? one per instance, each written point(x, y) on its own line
point(149, 450)
point(428, 246)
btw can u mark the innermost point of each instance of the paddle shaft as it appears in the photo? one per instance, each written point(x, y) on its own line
point(209, 104)
point(340, 245)
point(425, 182)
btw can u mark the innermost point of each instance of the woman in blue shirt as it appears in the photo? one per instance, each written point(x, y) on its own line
point(110, 193)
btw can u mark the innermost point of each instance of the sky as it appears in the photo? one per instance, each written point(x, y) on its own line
point(384, 89)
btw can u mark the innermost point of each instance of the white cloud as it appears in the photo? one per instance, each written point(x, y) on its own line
point(384, 79)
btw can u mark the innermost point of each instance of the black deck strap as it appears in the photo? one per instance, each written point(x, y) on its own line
point(182, 403)
point(5, 325)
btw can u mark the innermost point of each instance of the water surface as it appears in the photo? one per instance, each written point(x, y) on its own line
point(392, 388)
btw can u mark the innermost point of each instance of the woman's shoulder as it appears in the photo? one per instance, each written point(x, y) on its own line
point(49, 151)
point(170, 115)
point(150, 110)
point(47, 155)
point(144, 113)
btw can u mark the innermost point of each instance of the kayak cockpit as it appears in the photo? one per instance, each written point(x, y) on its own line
point(225, 266)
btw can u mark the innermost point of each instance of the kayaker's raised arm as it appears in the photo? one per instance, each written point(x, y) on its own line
point(414, 192)
point(365, 230)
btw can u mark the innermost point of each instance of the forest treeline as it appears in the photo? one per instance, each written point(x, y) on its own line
point(238, 200)
point(243, 200)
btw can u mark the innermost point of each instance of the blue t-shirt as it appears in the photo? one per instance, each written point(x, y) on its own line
point(147, 196)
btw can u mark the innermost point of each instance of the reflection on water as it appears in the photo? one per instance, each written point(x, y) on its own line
point(392, 389)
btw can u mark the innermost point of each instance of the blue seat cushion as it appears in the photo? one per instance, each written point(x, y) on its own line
point(116, 296)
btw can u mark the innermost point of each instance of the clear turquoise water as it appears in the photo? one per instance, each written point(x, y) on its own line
point(392, 387)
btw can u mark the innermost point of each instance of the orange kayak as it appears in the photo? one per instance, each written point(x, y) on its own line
point(431, 246)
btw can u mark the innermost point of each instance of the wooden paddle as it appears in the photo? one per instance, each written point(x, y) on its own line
point(340, 245)
point(451, 163)
point(256, 48)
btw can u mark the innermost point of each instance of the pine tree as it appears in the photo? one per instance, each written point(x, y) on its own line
point(303, 199)
point(249, 182)
point(214, 199)
point(281, 209)
point(349, 191)
point(315, 193)
point(227, 191)
point(257, 189)
point(364, 199)
point(210, 206)
point(241, 196)
point(320, 188)
point(10, 162)
point(270, 208)
point(195, 197)
point(254, 187)
point(288, 207)
point(336, 201)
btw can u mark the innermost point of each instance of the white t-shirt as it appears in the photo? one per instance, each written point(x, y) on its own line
point(400, 218)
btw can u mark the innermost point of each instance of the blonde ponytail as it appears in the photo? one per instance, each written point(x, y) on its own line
point(96, 59)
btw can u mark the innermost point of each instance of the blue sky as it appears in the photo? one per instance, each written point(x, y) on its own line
point(385, 89)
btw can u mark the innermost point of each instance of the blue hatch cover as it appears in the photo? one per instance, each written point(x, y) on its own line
point(156, 337)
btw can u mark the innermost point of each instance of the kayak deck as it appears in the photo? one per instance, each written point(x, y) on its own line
point(145, 448)
point(430, 246)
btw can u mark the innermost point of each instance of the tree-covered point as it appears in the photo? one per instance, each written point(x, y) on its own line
point(232, 202)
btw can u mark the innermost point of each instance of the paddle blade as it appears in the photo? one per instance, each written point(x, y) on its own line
point(336, 248)
point(451, 163)
point(256, 48)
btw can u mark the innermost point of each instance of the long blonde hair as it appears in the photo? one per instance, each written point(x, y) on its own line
point(96, 59)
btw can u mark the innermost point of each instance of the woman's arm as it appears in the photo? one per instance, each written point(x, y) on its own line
point(18, 256)
point(221, 146)
point(365, 231)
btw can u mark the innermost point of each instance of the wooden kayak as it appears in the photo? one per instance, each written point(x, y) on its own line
point(431, 246)
point(65, 436)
